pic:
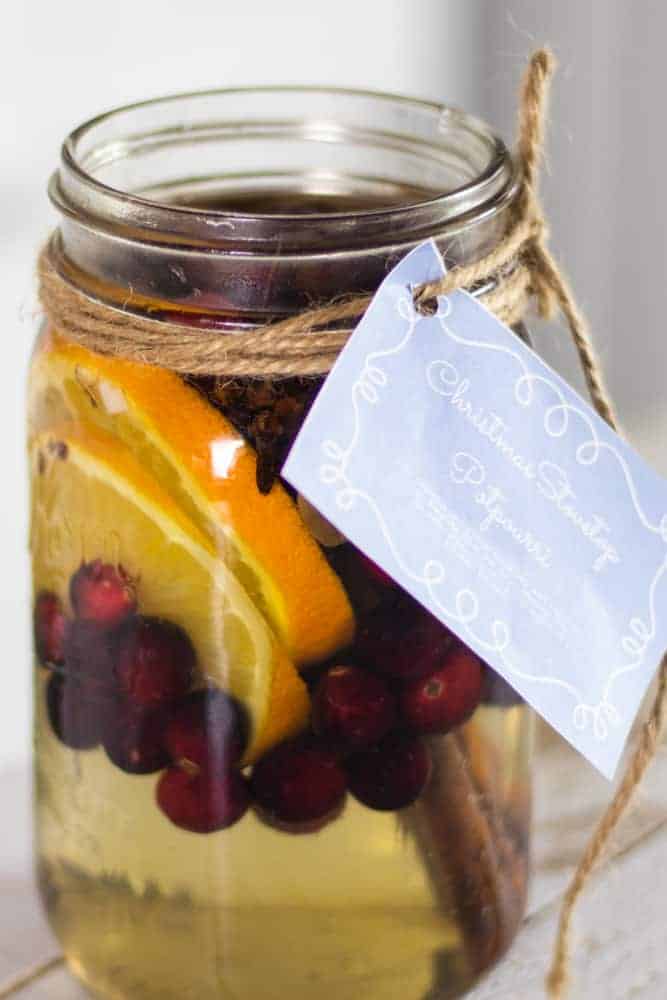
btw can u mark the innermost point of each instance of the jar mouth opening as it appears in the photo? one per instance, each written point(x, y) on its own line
point(184, 169)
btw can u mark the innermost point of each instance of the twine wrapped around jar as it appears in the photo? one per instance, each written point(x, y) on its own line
point(518, 271)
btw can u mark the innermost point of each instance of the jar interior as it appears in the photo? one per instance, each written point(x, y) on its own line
point(287, 138)
point(303, 196)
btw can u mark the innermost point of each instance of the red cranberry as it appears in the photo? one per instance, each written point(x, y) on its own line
point(404, 641)
point(102, 593)
point(90, 653)
point(294, 828)
point(155, 662)
point(392, 774)
point(202, 802)
point(49, 625)
point(297, 784)
point(134, 739)
point(376, 573)
point(206, 729)
point(75, 712)
point(352, 708)
point(447, 697)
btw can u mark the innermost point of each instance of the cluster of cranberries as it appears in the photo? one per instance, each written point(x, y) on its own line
point(124, 680)
point(407, 678)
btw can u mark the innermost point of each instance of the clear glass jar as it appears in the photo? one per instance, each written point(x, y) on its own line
point(239, 793)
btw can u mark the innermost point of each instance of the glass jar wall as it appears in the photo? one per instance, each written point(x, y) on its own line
point(262, 769)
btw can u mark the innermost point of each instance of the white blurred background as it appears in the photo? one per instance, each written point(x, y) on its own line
point(604, 184)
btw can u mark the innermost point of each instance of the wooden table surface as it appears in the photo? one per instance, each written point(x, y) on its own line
point(621, 928)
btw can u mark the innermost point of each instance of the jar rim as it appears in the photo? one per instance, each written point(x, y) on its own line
point(81, 191)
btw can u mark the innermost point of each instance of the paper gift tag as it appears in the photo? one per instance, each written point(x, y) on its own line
point(445, 449)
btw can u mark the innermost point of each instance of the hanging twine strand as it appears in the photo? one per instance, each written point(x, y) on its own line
point(532, 118)
point(647, 747)
point(519, 268)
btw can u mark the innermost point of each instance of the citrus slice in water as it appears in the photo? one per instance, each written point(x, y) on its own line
point(92, 500)
point(199, 458)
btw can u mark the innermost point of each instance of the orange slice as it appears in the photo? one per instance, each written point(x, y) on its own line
point(91, 499)
point(203, 463)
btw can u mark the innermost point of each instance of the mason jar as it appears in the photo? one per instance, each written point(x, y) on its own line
point(262, 770)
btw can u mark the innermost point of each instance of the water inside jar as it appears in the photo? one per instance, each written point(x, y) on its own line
point(272, 201)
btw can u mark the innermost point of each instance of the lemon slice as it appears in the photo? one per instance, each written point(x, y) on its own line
point(203, 463)
point(91, 499)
